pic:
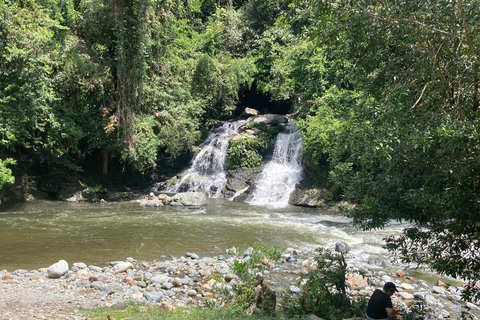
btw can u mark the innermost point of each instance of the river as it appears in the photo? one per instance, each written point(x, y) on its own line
point(39, 233)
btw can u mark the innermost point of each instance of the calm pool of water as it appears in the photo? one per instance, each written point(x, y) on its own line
point(37, 234)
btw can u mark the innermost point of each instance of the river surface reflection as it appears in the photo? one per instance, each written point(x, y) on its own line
point(37, 234)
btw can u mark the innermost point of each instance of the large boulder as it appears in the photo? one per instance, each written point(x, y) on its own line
point(249, 112)
point(58, 269)
point(240, 181)
point(314, 197)
point(190, 198)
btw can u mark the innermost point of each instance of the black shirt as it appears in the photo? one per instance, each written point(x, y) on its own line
point(377, 304)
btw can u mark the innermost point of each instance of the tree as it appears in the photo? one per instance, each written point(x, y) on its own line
point(413, 145)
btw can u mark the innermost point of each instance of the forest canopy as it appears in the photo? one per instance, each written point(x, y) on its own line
point(386, 95)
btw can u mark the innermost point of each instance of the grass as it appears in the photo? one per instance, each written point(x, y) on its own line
point(138, 311)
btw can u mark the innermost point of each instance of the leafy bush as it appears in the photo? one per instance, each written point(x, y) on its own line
point(6, 176)
point(244, 153)
point(259, 259)
point(323, 292)
point(248, 152)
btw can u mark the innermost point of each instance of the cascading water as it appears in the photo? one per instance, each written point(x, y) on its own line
point(207, 172)
point(280, 176)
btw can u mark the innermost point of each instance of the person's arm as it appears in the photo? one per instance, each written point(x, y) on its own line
point(393, 313)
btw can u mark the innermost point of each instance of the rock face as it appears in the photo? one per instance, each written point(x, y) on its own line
point(58, 269)
point(308, 197)
point(240, 182)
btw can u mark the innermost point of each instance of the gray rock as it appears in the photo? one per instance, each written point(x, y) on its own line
point(295, 289)
point(58, 269)
point(160, 278)
point(248, 252)
point(122, 267)
point(95, 268)
point(342, 247)
point(152, 203)
point(308, 197)
point(192, 292)
point(438, 289)
point(194, 256)
point(224, 270)
point(153, 296)
point(313, 317)
point(24, 271)
point(167, 285)
point(190, 198)
point(423, 284)
point(421, 295)
point(80, 265)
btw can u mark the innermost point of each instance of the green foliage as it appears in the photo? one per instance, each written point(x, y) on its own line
point(259, 259)
point(144, 150)
point(217, 81)
point(248, 152)
point(144, 312)
point(92, 193)
point(324, 292)
point(244, 153)
point(6, 176)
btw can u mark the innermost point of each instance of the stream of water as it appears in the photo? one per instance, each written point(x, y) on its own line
point(37, 234)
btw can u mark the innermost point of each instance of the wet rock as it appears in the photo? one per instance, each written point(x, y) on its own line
point(342, 247)
point(58, 269)
point(152, 203)
point(190, 198)
point(308, 197)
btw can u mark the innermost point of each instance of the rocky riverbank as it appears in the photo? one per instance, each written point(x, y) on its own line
point(62, 291)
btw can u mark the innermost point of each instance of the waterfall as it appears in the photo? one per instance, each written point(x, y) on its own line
point(282, 173)
point(207, 172)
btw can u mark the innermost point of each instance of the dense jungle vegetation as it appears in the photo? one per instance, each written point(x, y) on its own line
point(387, 95)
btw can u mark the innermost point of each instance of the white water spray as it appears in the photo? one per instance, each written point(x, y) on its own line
point(207, 172)
point(280, 176)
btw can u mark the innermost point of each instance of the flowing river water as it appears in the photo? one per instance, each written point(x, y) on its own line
point(37, 234)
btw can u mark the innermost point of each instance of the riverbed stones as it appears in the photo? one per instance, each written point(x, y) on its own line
point(58, 269)
point(166, 281)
